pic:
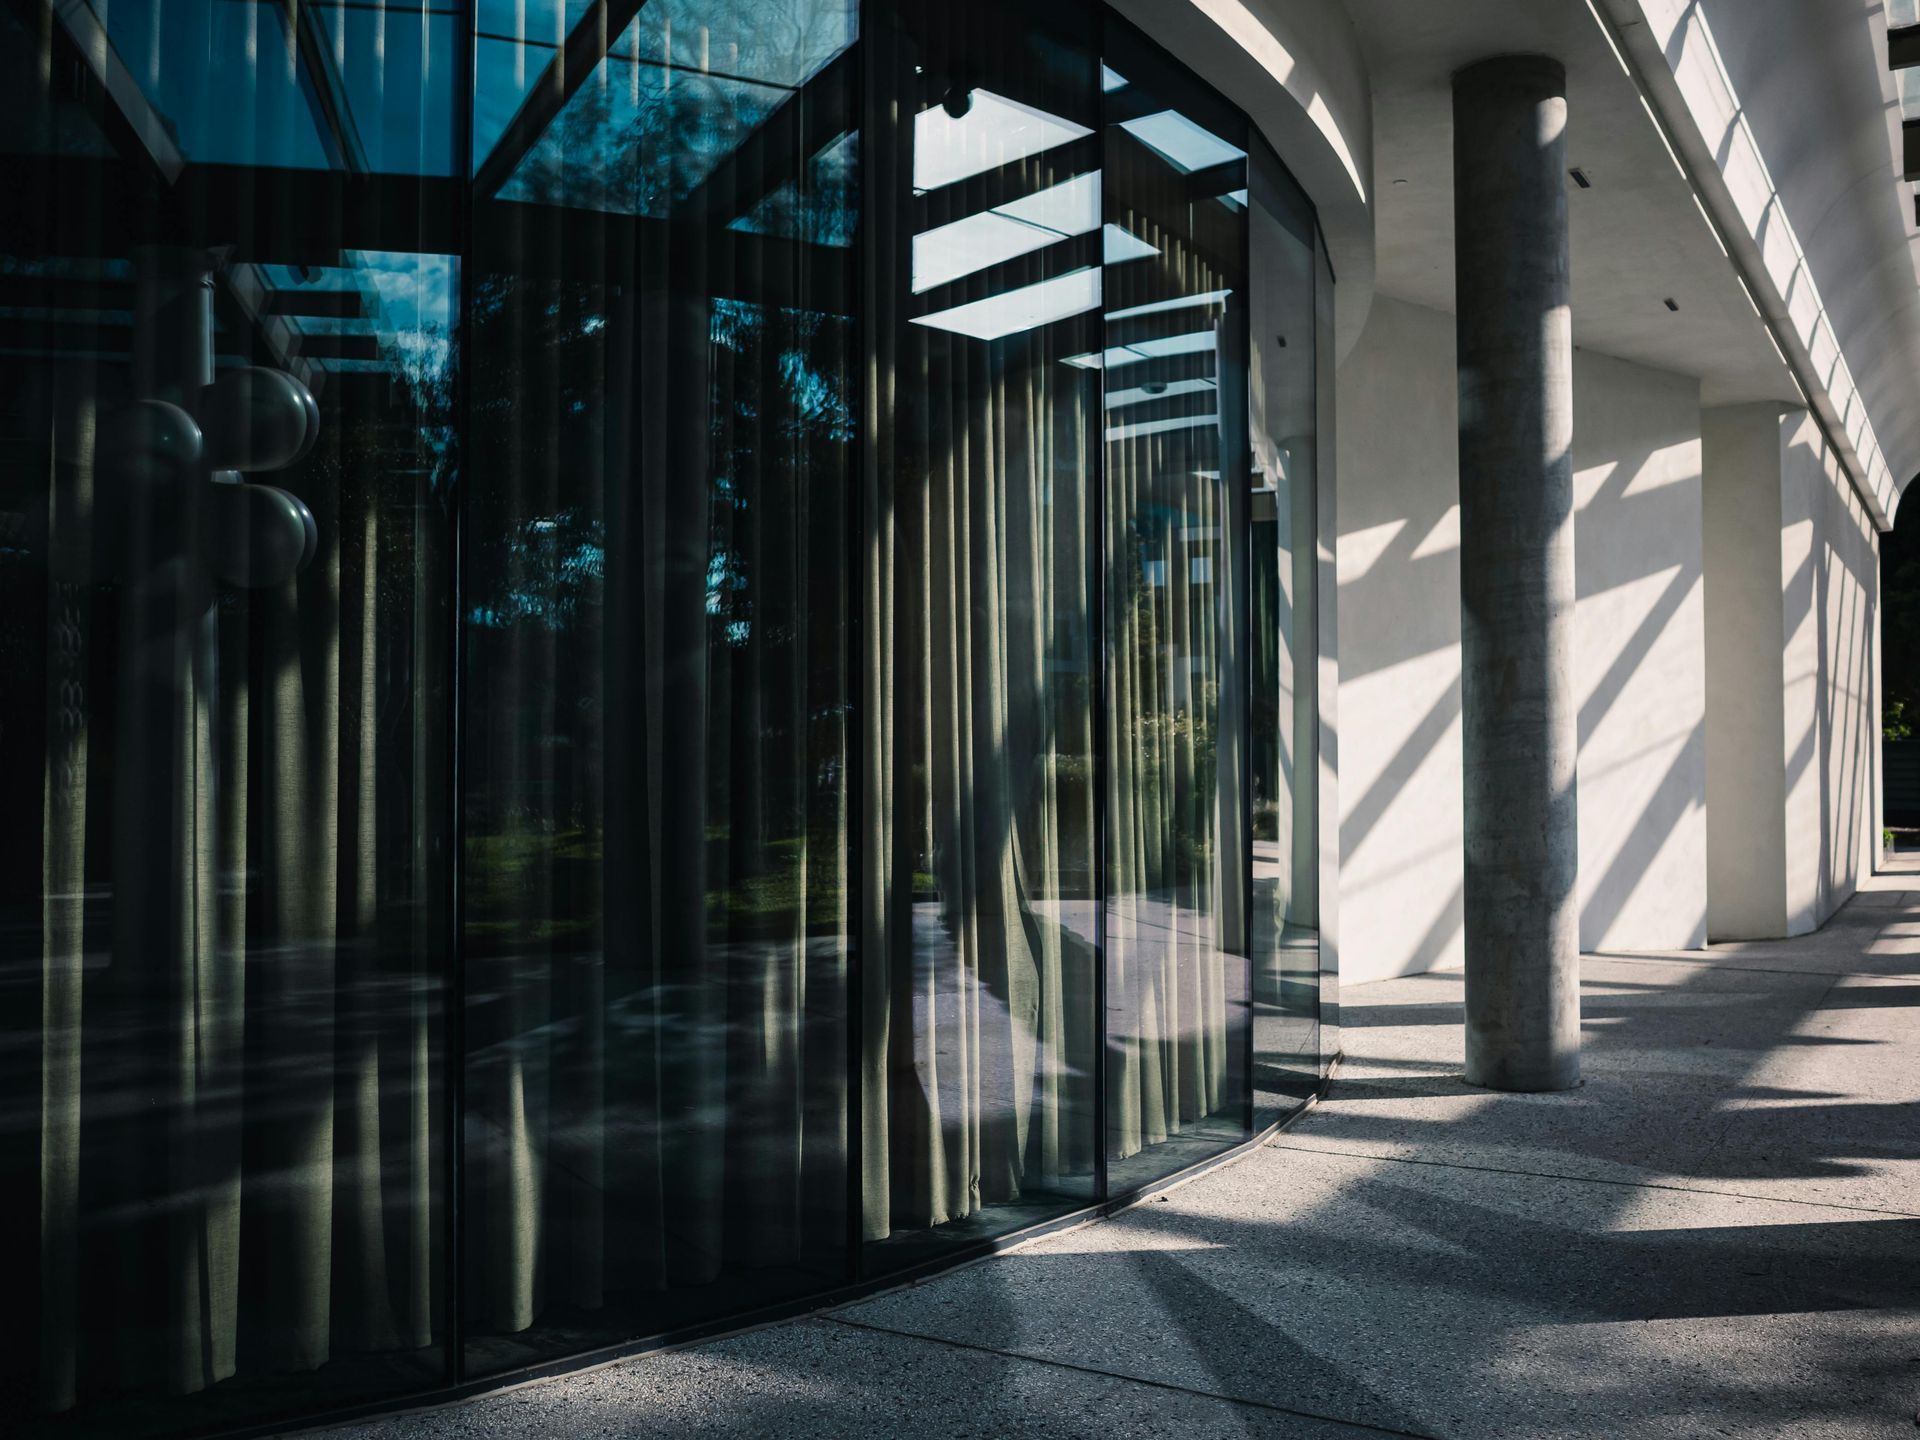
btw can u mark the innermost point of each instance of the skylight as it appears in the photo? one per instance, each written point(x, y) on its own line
point(1144, 394)
point(1161, 427)
point(1193, 343)
point(1181, 302)
point(1120, 246)
point(1027, 308)
point(994, 132)
point(947, 252)
point(1181, 143)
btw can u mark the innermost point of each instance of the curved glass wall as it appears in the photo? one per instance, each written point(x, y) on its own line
point(661, 661)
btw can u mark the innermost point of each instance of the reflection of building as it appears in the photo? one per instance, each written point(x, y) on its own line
point(673, 656)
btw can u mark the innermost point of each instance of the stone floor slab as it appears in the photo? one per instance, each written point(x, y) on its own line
point(1719, 1234)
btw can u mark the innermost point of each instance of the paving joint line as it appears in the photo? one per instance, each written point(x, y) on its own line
point(1596, 1180)
point(1128, 1379)
point(1836, 975)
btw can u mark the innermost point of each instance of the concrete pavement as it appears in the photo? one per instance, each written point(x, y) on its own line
point(1719, 1234)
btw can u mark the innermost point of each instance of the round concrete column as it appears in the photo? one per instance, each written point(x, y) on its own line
point(1516, 573)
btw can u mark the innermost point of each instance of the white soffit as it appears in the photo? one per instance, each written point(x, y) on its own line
point(1641, 236)
point(1798, 159)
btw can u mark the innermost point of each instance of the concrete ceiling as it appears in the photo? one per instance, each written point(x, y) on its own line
point(1637, 236)
point(1829, 126)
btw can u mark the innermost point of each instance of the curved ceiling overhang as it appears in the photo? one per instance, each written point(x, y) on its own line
point(1296, 69)
point(1794, 165)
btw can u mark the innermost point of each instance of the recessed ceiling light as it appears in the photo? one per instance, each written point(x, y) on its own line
point(1671, 303)
point(1580, 178)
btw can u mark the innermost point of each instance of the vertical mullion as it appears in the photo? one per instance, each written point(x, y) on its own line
point(454, 1263)
point(853, 904)
point(1097, 670)
point(1242, 541)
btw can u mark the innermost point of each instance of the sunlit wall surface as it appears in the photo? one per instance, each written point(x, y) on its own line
point(659, 660)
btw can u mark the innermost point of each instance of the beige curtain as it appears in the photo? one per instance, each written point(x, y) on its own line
point(979, 986)
point(656, 831)
point(1175, 795)
point(236, 1092)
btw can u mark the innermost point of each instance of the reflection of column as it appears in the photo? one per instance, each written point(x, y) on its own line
point(1302, 559)
point(161, 795)
point(1516, 569)
point(676, 489)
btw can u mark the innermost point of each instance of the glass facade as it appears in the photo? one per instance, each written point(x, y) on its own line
point(661, 661)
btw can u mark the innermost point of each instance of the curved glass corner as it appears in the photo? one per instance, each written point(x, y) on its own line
point(659, 669)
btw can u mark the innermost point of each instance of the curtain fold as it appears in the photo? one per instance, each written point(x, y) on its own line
point(1177, 614)
point(657, 837)
point(978, 936)
point(237, 1083)
point(828, 620)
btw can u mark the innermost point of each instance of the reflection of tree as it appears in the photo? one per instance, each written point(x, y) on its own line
point(778, 425)
point(1174, 735)
point(648, 127)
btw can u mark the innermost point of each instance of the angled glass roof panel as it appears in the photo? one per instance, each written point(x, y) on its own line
point(513, 43)
point(1070, 208)
point(395, 69)
point(1144, 394)
point(1122, 245)
point(1181, 143)
point(1192, 343)
point(1032, 222)
point(226, 79)
point(677, 92)
point(994, 132)
point(1179, 302)
point(947, 252)
point(1161, 427)
point(825, 212)
point(1027, 308)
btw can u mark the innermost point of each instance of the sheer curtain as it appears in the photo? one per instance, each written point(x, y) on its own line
point(657, 759)
point(980, 995)
point(1175, 560)
point(239, 1012)
point(224, 935)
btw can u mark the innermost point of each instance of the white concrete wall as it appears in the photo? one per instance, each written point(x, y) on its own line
point(1641, 636)
point(1399, 619)
point(1746, 719)
point(1792, 604)
point(1836, 631)
point(1639, 657)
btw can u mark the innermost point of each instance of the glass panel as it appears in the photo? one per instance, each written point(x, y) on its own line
point(1325, 483)
point(1176, 621)
point(514, 44)
point(979, 1002)
point(672, 100)
point(390, 71)
point(357, 85)
point(1284, 742)
point(1072, 698)
point(226, 455)
point(656, 603)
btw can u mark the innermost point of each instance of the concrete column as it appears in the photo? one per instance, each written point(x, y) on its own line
point(1520, 736)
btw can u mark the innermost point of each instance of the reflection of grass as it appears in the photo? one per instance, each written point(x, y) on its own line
point(525, 884)
point(771, 902)
point(504, 870)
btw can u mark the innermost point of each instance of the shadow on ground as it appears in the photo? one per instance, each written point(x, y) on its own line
point(1718, 1234)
